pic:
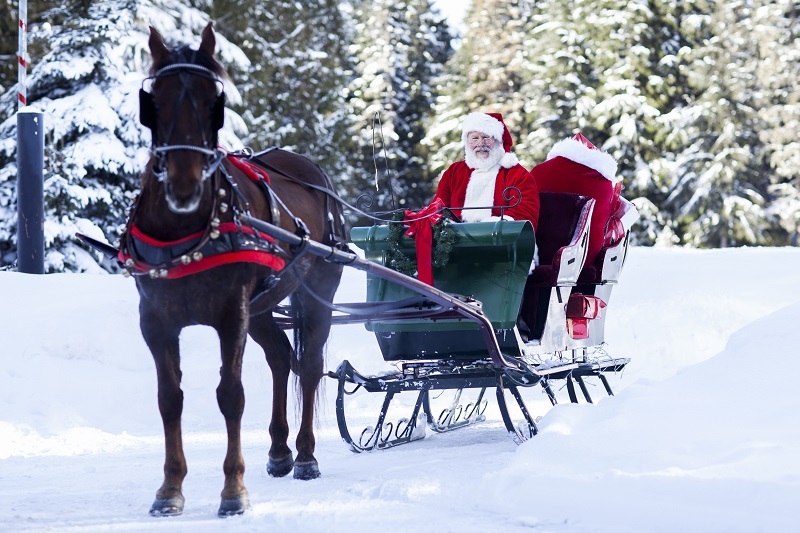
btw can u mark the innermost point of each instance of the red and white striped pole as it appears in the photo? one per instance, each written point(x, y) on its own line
point(22, 55)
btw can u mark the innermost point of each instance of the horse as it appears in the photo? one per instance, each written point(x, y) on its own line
point(196, 263)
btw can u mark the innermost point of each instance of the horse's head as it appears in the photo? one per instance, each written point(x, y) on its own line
point(184, 109)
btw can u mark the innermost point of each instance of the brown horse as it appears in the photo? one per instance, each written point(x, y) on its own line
point(195, 262)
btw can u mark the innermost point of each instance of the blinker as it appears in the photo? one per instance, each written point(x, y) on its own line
point(148, 112)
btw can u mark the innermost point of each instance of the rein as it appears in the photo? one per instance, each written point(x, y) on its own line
point(510, 194)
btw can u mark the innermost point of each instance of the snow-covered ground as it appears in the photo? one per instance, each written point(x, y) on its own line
point(702, 435)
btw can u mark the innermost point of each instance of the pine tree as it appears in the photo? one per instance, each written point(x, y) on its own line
point(777, 30)
point(293, 87)
point(399, 51)
point(721, 181)
point(559, 77)
point(89, 59)
point(609, 69)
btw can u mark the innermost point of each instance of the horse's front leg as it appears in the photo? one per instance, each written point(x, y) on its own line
point(230, 397)
point(163, 343)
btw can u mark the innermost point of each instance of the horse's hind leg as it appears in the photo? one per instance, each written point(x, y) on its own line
point(316, 326)
point(278, 351)
point(163, 344)
point(230, 397)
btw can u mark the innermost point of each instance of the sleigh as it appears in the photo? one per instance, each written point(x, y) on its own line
point(487, 326)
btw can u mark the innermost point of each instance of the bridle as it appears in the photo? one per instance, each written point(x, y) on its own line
point(148, 116)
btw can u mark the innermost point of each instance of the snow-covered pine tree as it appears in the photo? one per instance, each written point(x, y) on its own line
point(632, 47)
point(559, 78)
point(777, 29)
point(88, 61)
point(293, 88)
point(720, 176)
point(608, 68)
point(399, 51)
point(485, 74)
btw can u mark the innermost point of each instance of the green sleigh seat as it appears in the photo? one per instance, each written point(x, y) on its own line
point(489, 263)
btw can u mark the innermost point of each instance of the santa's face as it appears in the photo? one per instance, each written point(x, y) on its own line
point(480, 144)
point(482, 151)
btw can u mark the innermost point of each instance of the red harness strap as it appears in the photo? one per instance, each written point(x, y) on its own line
point(211, 257)
point(236, 247)
point(250, 170)
point(247, 256)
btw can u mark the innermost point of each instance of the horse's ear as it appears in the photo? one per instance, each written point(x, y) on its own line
point(209, 42)
point(158, 49)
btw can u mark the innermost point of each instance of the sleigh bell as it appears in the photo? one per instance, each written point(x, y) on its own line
point(158, 273)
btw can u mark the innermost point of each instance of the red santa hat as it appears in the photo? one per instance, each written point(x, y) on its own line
point(491, 124)
point(580, 150)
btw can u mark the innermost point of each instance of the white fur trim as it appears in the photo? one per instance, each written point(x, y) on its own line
point(483, 123)
point(576, 151)
point(509, 160)
point(480, 193)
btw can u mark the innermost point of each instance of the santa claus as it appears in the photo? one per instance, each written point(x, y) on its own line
point(476, 187)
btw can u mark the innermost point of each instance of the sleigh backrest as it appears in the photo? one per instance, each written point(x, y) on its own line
point(563, 175)
point(561, 237)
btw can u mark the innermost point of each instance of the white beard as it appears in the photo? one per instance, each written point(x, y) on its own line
point(493, 161)
point(480, 188)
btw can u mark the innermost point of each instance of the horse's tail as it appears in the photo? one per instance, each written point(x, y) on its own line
point(297, 355)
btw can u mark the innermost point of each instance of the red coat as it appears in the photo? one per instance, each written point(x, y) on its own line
point(453, 189)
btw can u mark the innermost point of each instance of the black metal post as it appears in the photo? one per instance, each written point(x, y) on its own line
point(30, 192)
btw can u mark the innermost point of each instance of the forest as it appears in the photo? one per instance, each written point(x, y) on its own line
point(695, 99)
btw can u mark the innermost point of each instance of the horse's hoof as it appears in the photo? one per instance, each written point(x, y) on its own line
point(172, 506)
point(306, 470)
point(233, 506)
point(280, 467)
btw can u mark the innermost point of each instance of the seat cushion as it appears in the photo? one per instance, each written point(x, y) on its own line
point(543, 276)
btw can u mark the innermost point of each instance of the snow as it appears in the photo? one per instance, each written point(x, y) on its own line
point(701, 435)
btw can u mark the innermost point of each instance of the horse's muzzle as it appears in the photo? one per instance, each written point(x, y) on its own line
point(182, 200)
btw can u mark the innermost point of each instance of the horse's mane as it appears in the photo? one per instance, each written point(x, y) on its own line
point(186, 54)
